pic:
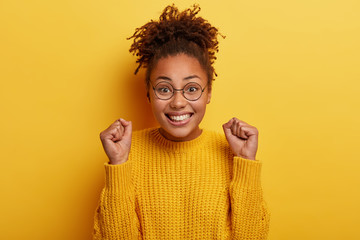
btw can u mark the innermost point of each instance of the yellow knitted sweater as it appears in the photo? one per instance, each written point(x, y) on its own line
point(182, 190)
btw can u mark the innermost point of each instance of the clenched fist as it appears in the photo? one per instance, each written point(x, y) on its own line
point(116, 140)
point(242, 138)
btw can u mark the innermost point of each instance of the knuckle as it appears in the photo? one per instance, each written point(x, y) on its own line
point(102, 135)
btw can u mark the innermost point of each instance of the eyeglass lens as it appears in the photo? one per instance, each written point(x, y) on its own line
point(191, 91)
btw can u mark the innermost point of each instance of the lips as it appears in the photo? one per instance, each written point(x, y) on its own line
point(178, 118)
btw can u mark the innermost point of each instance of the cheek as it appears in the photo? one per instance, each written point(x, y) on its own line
point(157, 106)
point(200, 107)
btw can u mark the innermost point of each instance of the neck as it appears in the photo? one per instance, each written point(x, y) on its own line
point(189, 137)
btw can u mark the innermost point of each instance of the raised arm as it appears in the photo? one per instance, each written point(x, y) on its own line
point(116, 216)
point(249, 215)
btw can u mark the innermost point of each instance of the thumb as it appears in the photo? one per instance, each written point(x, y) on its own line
point(127, 128)
point(227, 127)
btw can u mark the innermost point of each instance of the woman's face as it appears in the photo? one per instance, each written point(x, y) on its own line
point(178, 117)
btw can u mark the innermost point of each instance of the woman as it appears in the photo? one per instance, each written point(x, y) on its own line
point(179, 181)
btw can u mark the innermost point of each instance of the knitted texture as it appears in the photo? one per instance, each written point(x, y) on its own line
point(182, 190)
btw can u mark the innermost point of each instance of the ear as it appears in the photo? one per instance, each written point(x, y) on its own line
point(208, 96)
point(148, 96)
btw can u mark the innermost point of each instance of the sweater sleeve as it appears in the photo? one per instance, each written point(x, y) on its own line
point(115, 217)
point(249, 214)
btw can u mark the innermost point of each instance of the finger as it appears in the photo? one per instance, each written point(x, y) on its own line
point(119, 133)
point(227, 126)
point(114, 125)
point(239, 128)
point(234, 127)
point(128, 130)
point(116, 130)
point(242, 132)
point(240, 122)
point(123, 122)
point(124, 129)
point(110, 134)
point(248, 131)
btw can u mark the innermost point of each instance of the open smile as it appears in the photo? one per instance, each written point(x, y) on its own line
point(179, 119)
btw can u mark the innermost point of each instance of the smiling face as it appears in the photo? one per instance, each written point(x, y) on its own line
point(178, 117)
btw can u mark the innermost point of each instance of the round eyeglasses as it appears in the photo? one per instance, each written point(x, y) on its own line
point(192, 91)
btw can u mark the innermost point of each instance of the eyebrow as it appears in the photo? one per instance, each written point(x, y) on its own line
point(169, 79)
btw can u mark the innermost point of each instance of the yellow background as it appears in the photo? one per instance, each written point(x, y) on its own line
point(290, 68)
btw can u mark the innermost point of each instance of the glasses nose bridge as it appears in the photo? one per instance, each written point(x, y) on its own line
point(179, 90)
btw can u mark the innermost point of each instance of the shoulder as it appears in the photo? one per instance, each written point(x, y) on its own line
point(215, 135)
point(141, 142)
point(218, 148)
point(216, 139)
point(143, 135)
point(143, 132)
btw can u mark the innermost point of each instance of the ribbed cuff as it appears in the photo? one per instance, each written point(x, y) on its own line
point(118, 177)
point(246, 173)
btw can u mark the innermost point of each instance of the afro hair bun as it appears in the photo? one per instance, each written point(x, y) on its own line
point(174, 25)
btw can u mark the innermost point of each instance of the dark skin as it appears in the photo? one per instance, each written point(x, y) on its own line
point(116, 139)
point(242, 137)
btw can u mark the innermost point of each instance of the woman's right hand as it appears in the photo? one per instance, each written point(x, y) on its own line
point(116, 140)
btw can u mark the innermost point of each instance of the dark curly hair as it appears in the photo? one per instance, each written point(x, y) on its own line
point(176, 32)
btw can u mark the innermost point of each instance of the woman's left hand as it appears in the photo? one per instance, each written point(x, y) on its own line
point(242, 138)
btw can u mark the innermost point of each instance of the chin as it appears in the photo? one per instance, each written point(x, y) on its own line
point(178, 134)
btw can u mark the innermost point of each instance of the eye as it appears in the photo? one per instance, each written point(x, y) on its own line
point(163, 90)
point(192, 89)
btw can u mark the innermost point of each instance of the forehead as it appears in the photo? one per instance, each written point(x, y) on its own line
point(178, 67)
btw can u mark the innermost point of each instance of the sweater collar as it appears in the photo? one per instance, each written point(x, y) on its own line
point(173, 146)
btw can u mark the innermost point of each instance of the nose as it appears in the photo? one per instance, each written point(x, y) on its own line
point(178, 101)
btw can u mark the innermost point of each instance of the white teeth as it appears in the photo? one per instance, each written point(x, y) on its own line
point(180, 118)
